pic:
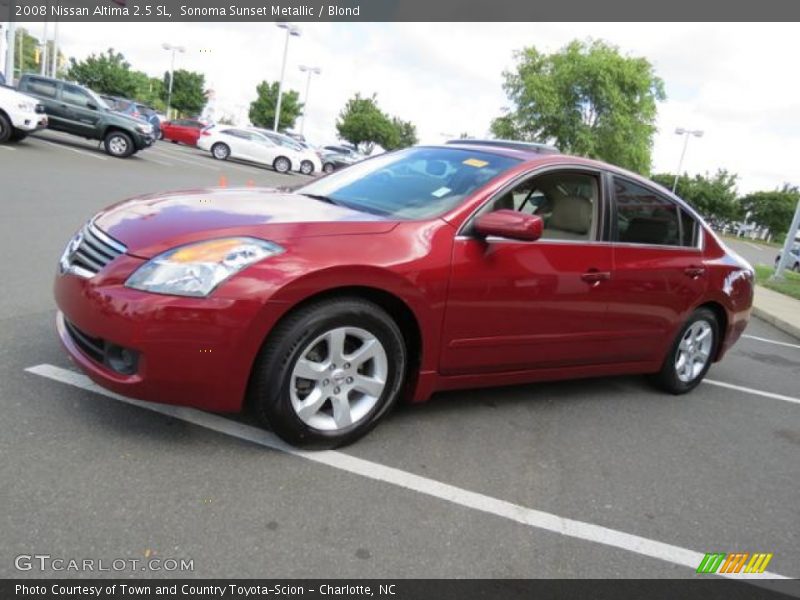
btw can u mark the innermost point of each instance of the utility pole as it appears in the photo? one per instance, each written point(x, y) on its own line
point(54, 68)
point(9, 66)
point(43, 56)
point(787, 245)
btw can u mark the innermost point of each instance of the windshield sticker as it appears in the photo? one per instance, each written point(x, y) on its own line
point(475, 162)
point(442, 191)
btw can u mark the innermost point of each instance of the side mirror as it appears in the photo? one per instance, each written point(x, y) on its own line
point(91, 106)
point(510, 224)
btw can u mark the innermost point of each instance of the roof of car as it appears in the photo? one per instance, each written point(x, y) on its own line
point(533, 147)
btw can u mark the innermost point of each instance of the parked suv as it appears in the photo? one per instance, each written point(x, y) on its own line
point(74, 109)
point(19, 115)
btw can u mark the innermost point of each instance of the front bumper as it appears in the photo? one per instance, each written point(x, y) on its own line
point(28, 122)
point(189, 351)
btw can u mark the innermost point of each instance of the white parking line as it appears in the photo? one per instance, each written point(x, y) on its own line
point(768, 341)
point(756, 246)
point(338, 460)
point(63, 147)
point(155, 160)
point(7, 148)
point(748, 390)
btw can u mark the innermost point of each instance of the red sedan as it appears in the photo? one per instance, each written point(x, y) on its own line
point(427, 269)
point(184, 131)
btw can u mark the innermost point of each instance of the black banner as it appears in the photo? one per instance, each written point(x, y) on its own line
point(402, 589)
point(397, 10)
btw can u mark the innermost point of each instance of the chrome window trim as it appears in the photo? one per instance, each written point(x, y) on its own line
point(679, 206)
point(535, 172)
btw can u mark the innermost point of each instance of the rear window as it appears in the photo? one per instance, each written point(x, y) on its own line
point(42, 87)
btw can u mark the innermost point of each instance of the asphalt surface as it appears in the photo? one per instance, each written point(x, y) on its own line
point(87, 476)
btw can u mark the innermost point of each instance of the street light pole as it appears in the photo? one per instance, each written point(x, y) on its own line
point(686, 133)
point(10, 34)
point(173, 49)
point(43, 56)
point(311, 71)
point(54, 68)
point(291, 30)
point(791, 236)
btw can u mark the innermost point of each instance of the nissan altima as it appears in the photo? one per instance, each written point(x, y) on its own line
point(426, 269)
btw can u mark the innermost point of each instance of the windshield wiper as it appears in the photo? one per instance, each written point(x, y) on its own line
point(321, 198)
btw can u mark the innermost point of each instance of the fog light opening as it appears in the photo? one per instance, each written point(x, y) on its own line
point(122, 360)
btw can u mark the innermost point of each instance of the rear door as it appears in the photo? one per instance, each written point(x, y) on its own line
point(659, 274)
point(81, 113)
point(46, 91)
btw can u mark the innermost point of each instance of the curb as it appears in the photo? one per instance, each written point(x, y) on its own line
point(776, 321)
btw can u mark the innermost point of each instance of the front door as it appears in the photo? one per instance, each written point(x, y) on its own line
point(525, 305)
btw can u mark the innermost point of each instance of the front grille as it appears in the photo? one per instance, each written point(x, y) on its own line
point(89, 251)
point(92, 347)
point(40, 109)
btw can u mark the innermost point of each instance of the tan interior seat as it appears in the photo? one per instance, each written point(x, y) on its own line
point(570, 219)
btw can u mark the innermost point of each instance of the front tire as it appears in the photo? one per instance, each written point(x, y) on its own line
point(329, 372)
point(18, 136)
point(5, 129)
point(119, 144)
point(220, 151)
point(691, 354)
point(328, 168)
point(306, 167)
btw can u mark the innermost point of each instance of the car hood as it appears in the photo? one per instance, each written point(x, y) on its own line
point(149, 225)
point(8, 94)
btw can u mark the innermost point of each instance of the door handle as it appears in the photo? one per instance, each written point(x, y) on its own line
point(694, 272)
point(594, 277)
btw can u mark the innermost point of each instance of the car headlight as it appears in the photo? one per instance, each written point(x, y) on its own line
point(197, 269)
point(145, 128)
point(27, 106)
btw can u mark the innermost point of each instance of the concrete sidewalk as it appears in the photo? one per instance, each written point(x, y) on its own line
point(778, 309)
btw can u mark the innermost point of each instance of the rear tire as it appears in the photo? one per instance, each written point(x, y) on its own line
point(282, 164)
point(119, 144)
point(328, 372)
point(5, 129)
point(220, 151)
point(691, 354)
point(328, 168)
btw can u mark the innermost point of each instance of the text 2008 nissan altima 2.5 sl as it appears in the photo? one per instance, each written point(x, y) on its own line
point(426, 269)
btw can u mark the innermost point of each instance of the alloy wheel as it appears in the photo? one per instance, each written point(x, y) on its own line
point(694, 351)
point(118, 145)
point(338, 378)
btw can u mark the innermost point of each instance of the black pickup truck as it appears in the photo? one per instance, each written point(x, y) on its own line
point(74, 109)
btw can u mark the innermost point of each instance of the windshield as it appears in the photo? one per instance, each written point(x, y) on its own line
point(416, 183)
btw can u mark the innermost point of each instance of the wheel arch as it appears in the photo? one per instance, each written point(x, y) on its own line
point(722, 320)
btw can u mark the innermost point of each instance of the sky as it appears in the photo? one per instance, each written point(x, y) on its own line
point(735, 82)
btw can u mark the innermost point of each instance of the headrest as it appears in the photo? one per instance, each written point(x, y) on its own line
point(571, 213)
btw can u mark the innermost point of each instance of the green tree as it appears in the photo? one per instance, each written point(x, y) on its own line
point(149, 90)
point(30, 51)
point(107, 73)
point(773, 210)
point(188, 91)
point(713, 196)
point(588, 99)
point(404, 135)
point(262, 110)
point(364, 125)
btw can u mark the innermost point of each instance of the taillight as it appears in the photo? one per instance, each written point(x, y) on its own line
point(204, 132)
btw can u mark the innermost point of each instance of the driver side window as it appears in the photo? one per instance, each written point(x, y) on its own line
point(567, 202)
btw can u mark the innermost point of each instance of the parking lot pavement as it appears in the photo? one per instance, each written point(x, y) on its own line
point(595, 478)
point(756, 253)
